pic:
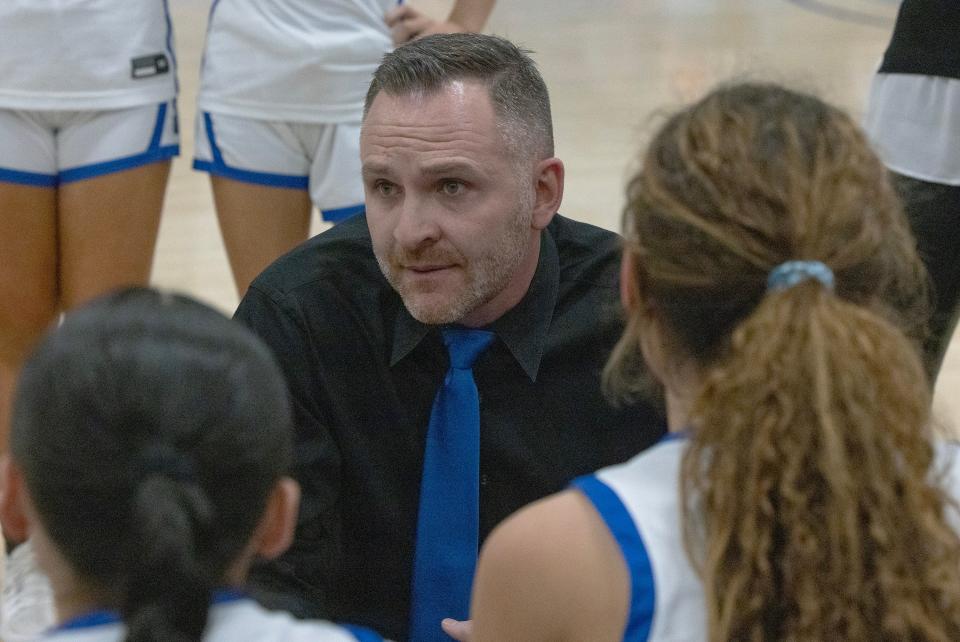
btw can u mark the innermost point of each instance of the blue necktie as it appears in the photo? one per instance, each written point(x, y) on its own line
point(449, 521)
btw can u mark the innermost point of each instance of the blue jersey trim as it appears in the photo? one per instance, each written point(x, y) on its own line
point(255, 178)
point(362, 634)
point(203, 59)
point(173, 54)
point(119, 164)
point(674, 436)
point(342, 213)
point(214, 149)
point(158, 128)
point(213, 7)
point(103, 617)
point(219, 168)
point(88, 620)
point(624, 531)
point(32, 179)
point(228, 595)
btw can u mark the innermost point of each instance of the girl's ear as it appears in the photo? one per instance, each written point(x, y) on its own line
point(274, 534)
point(13, 515)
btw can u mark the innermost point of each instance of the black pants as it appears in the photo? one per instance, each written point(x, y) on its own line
point(933, 210)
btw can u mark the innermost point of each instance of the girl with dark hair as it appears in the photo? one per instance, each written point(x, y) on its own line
point(151, 438)
point(771, 284)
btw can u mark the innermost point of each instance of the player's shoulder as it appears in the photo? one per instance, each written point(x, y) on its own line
point(549, 556)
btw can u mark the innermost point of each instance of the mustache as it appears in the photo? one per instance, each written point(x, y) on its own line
point(429, 256)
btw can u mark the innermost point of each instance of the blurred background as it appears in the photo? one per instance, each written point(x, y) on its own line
point(614, 68)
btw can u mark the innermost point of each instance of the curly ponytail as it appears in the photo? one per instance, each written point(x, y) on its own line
point(811, 508)
point(809, 467)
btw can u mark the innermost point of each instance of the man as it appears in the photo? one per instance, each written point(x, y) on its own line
point(461, 231)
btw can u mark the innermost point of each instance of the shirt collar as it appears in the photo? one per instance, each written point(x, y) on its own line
point(523, 328)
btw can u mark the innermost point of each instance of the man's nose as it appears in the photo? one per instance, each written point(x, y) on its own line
point(417, 224)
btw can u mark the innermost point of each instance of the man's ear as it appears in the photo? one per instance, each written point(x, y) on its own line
point(13, 514)
point(274, 534)
point(548, 190)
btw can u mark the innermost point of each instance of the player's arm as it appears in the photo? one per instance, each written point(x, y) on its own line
point(551, 572)
point(407, 23)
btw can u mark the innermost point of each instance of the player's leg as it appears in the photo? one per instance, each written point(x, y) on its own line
point(28, 281)
point(258, 174)
point(28, 244)
point(108, 231)
point(258, 224)
point(933, 210)
point(110, 198)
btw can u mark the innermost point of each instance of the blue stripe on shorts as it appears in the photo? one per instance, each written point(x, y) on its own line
point(217, 167)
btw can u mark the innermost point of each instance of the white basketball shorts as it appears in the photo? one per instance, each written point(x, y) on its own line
point(322, 158)
point(46, 148)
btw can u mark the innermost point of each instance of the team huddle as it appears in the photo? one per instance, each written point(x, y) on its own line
point(458, 414)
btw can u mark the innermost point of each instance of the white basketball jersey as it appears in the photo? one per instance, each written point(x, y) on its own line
point(240, 620)
point(85, 54)
point(292, 60)
point(640, 504)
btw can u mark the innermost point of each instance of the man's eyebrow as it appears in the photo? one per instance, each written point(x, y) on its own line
point(369, 170)
point(439, 168)
point(449, 167)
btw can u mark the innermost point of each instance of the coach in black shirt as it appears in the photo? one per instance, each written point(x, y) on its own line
point(462, 190)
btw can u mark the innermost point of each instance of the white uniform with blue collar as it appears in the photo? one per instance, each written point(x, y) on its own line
point(234, 619)
point(640, 503)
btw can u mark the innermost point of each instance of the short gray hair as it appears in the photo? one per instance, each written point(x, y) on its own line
point(516, 87)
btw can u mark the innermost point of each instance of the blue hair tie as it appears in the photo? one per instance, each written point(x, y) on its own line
point(786, 275)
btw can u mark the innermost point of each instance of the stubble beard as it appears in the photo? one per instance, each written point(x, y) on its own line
point(486, 275)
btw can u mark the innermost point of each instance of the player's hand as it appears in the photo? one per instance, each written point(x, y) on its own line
point(406, 24)
point(460, 631)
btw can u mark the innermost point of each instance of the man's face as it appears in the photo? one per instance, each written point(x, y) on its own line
point(449, 216)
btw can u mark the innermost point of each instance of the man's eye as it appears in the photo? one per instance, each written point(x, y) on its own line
point(386, 189)
point(452, 188)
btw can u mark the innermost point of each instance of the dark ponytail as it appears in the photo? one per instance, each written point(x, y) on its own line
point(169, 585)
point(151, 430)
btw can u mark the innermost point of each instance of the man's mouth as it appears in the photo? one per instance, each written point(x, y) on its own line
point(427, 268)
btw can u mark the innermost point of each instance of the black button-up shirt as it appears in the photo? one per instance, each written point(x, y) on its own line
point(363, 374)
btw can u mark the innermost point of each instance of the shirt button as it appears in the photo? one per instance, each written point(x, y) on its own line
point(483, 479)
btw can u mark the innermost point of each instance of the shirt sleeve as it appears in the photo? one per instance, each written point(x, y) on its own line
point(300, 580)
